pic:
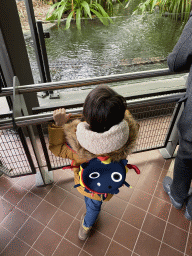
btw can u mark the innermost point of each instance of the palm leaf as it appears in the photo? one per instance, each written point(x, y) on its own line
point(187, 10)
point(101, 18)
point(78, 19)
point(103, 13)
point(52, 17)
point(68, 21)
point(175, 9)
point(154, 3)
point(128, 3)
point(86, 9)
point(182, 9)
point(51, 9)
point(60, 12)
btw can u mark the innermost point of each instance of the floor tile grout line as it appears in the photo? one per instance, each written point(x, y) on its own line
point(139, 209)
point(41, 223)
point(10, 210)
point(26, 244)
point(23, 211)
point(34, 250)
point(188, 232)
point(116, 229)
point(10, 189)
point(163, 201)
point(167, 221)
point(53, 232)
point(162, 243)
point(23, 188)
point(165, 226)
point(103, 209)
point(21, 225)
point(69, 191)
point(172, 248)
point(42, 200)
point(118, 224)
point(15, 235)
point(84, 243)
point(84, 251)
point(29, 215)
point(66, 232)
point(46, 194)
point(156, 217)
point(122, 245)
point(143, 220)
point(64, 202)
point(101, 234)
point(187, 238)
point(145, 217)
point(104, 234)
point(95, 229)
point(46, 226)
point(117, 196)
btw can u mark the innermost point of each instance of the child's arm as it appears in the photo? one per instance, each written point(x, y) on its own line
point(56, 133)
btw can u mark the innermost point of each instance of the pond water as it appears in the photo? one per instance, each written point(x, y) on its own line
point(131, 43)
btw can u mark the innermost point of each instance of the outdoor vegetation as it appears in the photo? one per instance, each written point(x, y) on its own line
point(78, 9)
point(103, 9)
point(176, 9)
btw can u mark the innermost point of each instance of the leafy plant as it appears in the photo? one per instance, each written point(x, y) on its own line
point(79, 9)
point(179, 9)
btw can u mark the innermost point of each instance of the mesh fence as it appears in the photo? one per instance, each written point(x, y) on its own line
point(55, 161)
point(154, 124)
point(13, 158)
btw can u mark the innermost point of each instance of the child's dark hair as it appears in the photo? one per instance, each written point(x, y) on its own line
point(103, 108)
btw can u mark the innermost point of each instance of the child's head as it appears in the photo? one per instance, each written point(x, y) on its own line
point(103, 108)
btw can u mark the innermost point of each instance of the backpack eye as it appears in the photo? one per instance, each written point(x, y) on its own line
point(116, 176)
point(94, 175)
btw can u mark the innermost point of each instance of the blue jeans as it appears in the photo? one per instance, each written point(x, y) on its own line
point(93, 208)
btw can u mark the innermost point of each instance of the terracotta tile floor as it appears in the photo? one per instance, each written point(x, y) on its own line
point(139, 221)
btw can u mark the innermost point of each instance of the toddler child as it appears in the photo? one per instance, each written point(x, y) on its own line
point(107, 130)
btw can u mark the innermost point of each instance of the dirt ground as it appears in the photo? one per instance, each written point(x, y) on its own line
point(40, 9)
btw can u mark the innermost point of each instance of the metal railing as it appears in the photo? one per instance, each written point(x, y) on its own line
point(85, 82)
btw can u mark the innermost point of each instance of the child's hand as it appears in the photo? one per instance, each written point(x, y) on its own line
point(60, 117)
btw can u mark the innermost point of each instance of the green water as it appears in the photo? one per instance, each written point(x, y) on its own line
point(126, 45)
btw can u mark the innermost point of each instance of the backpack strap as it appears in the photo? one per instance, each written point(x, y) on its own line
point(131, 166)
point(71, 166)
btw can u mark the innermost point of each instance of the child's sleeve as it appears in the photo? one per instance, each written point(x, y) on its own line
point(56, 140)
point(58, 146)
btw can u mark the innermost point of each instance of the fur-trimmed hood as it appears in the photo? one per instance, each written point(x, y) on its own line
point(117, 155)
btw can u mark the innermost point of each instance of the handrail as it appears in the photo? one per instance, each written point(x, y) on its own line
point(86, 82)
point(46, 117)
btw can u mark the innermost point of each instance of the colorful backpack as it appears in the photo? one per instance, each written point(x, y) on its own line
point(102, 176)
